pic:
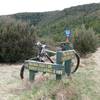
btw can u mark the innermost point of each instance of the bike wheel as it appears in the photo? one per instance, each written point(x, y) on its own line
point(75, 63)
point(22, 72)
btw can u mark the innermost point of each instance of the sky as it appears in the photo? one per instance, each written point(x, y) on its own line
point(18, 6)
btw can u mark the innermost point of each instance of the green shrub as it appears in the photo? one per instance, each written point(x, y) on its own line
point(16, 41)
point(85, 40)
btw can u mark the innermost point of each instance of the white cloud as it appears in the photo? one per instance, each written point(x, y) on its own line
point(14, 6)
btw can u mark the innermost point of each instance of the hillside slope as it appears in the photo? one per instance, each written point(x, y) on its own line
point(52, 16)
point(54, 22)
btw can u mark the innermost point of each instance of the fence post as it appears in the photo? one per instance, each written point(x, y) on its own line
point(32, 75)
point(58, 61)
point(67, 63)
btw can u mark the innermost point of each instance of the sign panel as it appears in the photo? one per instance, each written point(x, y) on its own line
point(45, 67)
point(66, 55)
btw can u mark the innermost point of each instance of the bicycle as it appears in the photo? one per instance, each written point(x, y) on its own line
point(42, 54)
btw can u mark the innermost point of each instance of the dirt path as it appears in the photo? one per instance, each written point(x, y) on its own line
point(96, 58)
point(11, 85)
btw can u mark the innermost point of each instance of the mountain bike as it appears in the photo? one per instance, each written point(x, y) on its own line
point(42, 55)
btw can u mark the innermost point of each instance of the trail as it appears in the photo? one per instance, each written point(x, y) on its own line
point(96, 58)
point(93, 59)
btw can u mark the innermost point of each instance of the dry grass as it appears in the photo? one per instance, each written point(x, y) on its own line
point(84, 85)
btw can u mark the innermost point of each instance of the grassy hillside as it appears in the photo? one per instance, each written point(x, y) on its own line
point(54, 22)
point(46, 26)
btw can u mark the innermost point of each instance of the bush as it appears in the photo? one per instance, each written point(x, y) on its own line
point(85, 40)
point(16, 41)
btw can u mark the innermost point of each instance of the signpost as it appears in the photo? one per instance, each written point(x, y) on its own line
point(59, 68)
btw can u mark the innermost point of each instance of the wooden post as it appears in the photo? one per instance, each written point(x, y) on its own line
point(67, 63)
point(58, 61)
point(32, 75)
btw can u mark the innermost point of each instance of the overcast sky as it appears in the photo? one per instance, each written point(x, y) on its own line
point(16, 6)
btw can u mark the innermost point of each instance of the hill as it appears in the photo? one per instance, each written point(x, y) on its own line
point(54, 22)
point(20, 31)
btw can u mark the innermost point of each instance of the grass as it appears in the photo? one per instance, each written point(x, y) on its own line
point(82, 86)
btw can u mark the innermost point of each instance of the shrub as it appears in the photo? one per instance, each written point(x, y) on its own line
point(85, 40)
point(16, 41)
